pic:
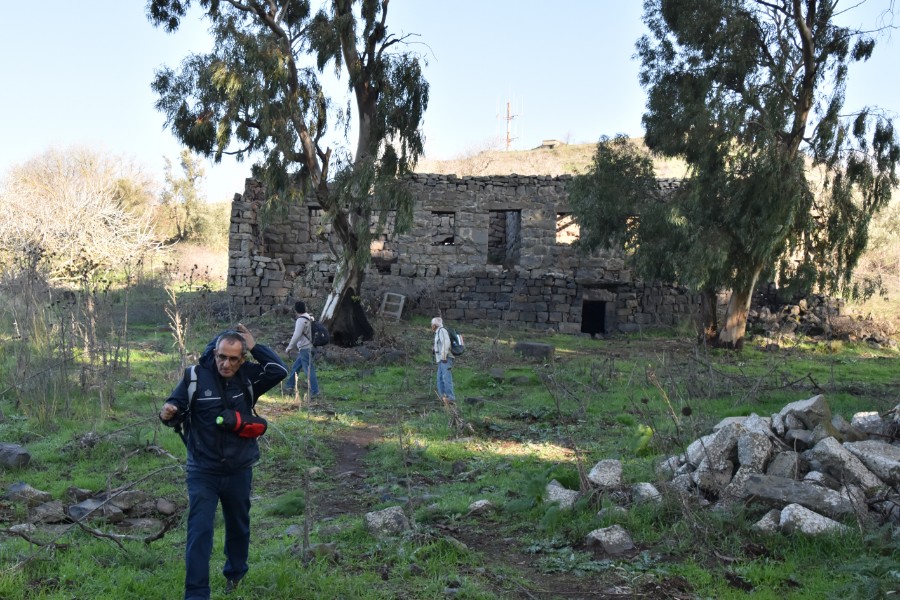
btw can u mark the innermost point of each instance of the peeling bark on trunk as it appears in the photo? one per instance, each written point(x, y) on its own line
point(732, 333)
point(343, 313)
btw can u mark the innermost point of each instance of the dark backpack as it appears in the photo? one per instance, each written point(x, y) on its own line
point(457, 345)
point(319, 335)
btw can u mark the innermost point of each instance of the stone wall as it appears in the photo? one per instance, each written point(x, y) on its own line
point(481, 249)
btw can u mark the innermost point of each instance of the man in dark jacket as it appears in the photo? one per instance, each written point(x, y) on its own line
point(219, 462)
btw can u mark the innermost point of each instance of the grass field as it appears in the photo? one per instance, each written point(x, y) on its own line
point(381, 438)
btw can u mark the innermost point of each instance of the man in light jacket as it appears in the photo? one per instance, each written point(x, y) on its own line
point(443, 358)
point(302, 342)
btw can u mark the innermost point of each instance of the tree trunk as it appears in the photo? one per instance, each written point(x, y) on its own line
point(708, 323)
point(732, 333)
point(343, 313)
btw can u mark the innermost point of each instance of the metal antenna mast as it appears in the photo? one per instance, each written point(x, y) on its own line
point(509, 117)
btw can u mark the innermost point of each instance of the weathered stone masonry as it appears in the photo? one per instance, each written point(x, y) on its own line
point(481, 249)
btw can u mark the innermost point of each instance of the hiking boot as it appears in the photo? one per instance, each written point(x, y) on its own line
point(231, 585)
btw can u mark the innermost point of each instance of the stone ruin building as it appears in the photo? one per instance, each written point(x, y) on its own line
point(481, 250)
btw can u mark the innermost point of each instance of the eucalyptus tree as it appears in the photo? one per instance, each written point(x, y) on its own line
point(782, 182)
point(260, 93)
point(662, 234)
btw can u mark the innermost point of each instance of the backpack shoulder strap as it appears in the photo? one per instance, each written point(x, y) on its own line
point(191, 377)
point(308, 329)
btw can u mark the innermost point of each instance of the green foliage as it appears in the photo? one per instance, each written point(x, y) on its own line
point(557, 556)
point(641, 440)
point(781, 184)
point(254, 95)
point(184, 213)
point(873, 577)
point(290, 504)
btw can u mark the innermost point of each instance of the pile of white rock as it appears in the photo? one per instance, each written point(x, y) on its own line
point(814, 468)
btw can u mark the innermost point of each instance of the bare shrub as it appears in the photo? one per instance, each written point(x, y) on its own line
point(69, 252)
point(67, 206)
point(197, 265)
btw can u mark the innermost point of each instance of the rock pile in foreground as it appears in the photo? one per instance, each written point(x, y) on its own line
point(814, 468)
point(816, 471)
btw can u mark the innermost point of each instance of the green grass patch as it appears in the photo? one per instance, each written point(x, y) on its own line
point(637, 398)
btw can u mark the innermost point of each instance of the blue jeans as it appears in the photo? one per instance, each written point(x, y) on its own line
point(304, 361)
point(205, 491)
point(445, 379)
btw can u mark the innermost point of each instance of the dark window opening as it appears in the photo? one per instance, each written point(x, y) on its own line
point(597, 316)
point(443, 227)
point(317, 223)
point(504, 237)
point(383, 265)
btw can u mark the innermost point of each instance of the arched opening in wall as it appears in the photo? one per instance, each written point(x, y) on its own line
point(595, 317)
point(504, 237)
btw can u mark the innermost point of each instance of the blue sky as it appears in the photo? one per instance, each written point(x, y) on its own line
point(79, 73)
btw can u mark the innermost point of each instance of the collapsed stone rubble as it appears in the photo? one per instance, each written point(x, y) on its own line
point(814, 315)
point(816, 471)
point(127, 510)
point(812, 467)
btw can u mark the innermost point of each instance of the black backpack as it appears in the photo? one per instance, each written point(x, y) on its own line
point(319, 334)
point(457, 345)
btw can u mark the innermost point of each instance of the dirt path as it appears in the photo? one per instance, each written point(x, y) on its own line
point(351, 494)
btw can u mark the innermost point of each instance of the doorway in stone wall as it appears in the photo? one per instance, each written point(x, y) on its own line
point(596, 317)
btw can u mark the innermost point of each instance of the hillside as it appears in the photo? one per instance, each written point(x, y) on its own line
point(565, 159)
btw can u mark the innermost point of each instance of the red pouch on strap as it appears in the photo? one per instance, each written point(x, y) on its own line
point(245, 426)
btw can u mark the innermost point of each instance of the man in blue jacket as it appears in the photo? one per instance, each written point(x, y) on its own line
point(220, 462)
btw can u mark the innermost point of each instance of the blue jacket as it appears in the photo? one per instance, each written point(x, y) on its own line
point(211, 449)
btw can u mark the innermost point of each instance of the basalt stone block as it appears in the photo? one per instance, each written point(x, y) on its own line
point(535, 350)
point(781, 492)
point(830, 457)
point(388, 521)
point(23, 492)
point(795, 517)
point(14, 456)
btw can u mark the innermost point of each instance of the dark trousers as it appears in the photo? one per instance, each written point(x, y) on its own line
point(205, 491)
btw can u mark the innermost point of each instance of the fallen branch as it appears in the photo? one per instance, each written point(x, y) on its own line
point(31, 540)
point(118, 538)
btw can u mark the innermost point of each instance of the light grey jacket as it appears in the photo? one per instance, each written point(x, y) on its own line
point(302, 338)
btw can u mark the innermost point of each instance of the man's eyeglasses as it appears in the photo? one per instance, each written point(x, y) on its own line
point(229, 359)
